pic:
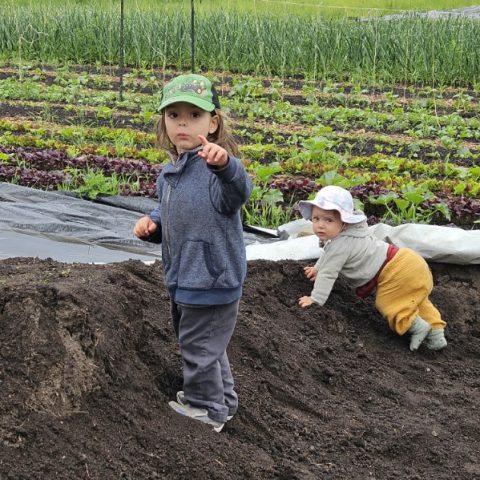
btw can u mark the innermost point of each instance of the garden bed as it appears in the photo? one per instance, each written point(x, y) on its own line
point(324, 393)
point(408, 153)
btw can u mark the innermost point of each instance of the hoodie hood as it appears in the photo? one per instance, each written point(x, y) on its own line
point(357, 230)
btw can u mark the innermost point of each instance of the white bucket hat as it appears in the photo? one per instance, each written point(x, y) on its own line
point(332, 197)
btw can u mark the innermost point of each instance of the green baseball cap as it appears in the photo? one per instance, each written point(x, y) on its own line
point(195, 89)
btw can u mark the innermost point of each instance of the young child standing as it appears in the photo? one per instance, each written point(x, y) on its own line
point(401, 278)
point(200, 192)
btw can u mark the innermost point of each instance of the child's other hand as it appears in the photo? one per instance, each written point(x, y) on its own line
point(212, 153)
point(305, 302)
point(144, 227)
point(310, 273)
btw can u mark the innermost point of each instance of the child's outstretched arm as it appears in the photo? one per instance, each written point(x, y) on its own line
point(232, 186)
point(324, 273)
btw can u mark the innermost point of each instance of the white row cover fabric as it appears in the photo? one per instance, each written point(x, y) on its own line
point(434, 243)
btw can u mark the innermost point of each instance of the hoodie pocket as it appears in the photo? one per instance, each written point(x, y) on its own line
point(199, 266)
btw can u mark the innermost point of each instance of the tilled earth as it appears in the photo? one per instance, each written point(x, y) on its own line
point(88, 363)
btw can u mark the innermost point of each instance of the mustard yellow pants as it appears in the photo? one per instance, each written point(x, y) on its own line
point(403, 288)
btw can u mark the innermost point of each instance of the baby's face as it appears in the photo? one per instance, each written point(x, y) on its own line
point(327, 224)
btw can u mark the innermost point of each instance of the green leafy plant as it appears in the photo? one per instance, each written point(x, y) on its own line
point(333, 178)
point(265, 207)
point(319, 149)
point(408, 208)
point(91, 183)
point(246, 89)
point(4, 157)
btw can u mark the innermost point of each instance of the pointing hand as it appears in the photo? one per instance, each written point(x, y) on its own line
point(212, 153)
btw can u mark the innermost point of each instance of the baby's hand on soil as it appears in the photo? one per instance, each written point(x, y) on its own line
point(305, 301)
point(144, 227)
point(212, 153)
point(310, 273)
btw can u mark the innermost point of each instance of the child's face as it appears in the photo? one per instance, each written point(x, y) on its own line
point(184, 122)
point(327, 224)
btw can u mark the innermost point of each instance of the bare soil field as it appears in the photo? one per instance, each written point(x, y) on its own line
point(89, 361)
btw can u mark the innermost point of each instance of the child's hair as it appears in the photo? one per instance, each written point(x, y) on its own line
point(221, 136)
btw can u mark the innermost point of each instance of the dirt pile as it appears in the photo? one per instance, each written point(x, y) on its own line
point(88, 362)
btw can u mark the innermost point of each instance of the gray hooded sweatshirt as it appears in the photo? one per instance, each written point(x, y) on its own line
point(354, 253)
point(203, 250)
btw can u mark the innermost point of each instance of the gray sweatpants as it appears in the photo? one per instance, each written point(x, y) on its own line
point(203, 334)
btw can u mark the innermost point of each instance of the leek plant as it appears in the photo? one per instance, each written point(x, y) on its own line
point(412, 49)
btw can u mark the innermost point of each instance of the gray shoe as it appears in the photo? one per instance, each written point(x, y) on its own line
point(199, 414)
point(436, 339)
point(181, 400)
point(419, 331)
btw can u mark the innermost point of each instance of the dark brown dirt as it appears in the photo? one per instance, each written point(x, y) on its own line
point(88, 362)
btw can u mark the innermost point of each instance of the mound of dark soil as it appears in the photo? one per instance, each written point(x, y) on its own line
point(88, 362)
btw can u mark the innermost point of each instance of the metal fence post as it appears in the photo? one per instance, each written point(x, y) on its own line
point(122, 50)
point(192, 35)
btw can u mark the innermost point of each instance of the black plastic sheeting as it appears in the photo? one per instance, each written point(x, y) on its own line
point(65, 228)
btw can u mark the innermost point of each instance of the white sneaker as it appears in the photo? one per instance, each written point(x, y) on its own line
point(181, 400)
point(199, 414)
